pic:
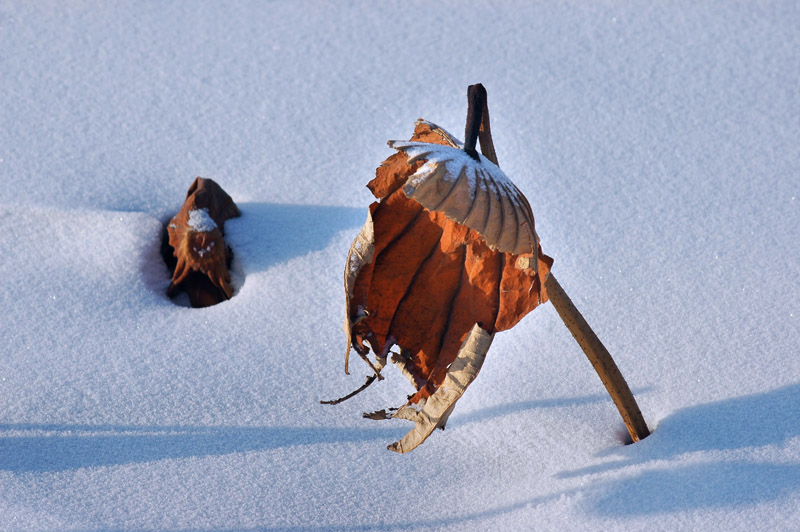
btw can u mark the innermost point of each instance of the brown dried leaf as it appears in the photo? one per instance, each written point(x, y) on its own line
point(428, 280)
point(196, 239)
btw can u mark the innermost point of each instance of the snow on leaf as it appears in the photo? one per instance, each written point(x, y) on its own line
point(475, 193)
point(201, 221)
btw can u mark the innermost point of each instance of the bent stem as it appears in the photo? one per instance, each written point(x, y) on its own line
point(363, 387)
point(591, 345)
point(600, 358)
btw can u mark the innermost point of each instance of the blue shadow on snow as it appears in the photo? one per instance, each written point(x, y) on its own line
point(66, 447)
point(266, 234)
point(63, 447)
point(749, 422)
point(269, 233)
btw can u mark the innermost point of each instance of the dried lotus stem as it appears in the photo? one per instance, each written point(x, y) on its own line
point(591, 345)
point(600, 358)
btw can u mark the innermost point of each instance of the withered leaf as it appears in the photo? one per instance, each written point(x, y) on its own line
point(449, 247)
point(197, 244)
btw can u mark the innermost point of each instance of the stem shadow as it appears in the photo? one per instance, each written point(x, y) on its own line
point(769, 419)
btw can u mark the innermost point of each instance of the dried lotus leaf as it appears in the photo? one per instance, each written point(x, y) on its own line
point(197, 245)
point(473, 193)
point(437, 408)
point(417, 279)
point(452, 257)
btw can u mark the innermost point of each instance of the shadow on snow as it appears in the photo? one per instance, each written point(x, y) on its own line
point(267, 233)
point(66, 447)
point(61, 447)
point(745, 423)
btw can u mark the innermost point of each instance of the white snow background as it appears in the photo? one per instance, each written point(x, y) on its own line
point(657, 144)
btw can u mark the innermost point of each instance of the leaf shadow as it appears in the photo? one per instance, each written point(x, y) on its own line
point(754, 421)
point(270, 233)
point(56, 447)
point(424, 523)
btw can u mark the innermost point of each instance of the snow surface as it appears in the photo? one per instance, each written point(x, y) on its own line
point(657, 144)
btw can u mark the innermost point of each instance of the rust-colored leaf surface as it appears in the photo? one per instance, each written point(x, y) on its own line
point(431, 279)
point(197, 246)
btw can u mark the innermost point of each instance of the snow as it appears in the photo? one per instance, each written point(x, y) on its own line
point(656, 143)
point(475, 193)
point(201, 221)
point(457, 162)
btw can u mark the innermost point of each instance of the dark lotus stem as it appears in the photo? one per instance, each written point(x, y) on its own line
point(476, 96)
